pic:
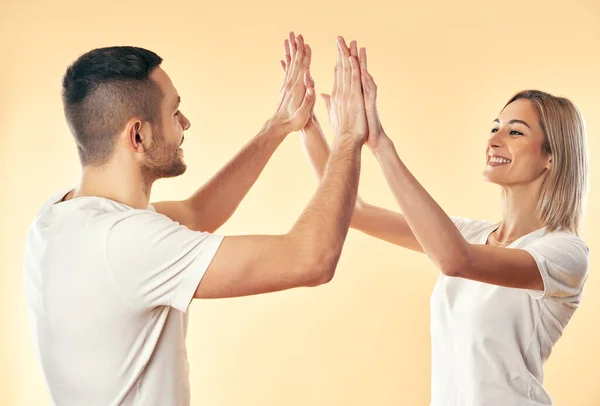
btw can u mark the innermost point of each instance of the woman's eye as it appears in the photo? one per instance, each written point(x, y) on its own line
point(494, 130)
point(513, 132)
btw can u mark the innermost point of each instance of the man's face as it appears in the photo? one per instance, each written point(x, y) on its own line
point(165, 156)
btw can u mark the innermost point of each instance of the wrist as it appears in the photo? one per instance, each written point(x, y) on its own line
point(350, 138)
point(384, 144)
point(311, 125)
point(275, 127)
point(312, 122)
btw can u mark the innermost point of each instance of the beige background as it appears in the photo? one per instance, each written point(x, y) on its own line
point(444, 71)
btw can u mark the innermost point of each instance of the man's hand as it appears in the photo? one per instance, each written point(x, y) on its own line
point(297, 96)
point(217, 199)
point(346, 106)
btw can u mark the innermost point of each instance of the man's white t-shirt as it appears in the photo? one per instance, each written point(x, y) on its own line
point(489, 343)
point(108, 287)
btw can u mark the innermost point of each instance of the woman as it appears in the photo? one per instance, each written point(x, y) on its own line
point(506, 291)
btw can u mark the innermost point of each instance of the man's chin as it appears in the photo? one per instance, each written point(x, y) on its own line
point(175, 170)
point(178, 169)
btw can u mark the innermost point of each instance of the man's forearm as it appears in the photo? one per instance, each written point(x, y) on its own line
point(317, 150)
point(324, 224)
point(216, 201)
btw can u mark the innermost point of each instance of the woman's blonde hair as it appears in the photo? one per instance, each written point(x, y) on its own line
point(564, 193)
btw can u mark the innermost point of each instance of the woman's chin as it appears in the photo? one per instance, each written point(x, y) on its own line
point(490, 178)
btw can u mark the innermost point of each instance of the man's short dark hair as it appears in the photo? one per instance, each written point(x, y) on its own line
point(102, 90)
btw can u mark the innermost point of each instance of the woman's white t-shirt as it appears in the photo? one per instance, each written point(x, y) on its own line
point(489, 343)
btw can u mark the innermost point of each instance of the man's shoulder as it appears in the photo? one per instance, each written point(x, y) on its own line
point(89, 212)
point(53, 199)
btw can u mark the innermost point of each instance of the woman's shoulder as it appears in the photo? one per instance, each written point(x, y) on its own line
point(562, 240)
point(464, 223)
point(471, 229)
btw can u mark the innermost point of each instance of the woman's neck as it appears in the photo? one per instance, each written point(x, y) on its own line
point(520, 215)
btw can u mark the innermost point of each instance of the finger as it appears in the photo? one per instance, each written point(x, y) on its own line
point(363, 58)
point(286, 51)
point(292, 44)
point(299, 49)
point(354, 49)
point(308, 80)
point(297, 61)
point(364, 81)
point(337, 72)
point(307, 104)
point(343, 47)
point(355, 84)
point(370, 93)
point(306, 49)
point(307, 56)
point(368, 81)
point(344, 85)
point(282, 65)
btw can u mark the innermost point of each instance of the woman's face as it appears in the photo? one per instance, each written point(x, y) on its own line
point(514, 151)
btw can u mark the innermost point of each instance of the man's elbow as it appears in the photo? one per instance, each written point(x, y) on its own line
point(320, 270)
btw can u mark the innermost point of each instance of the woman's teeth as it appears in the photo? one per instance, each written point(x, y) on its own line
point(498, 160)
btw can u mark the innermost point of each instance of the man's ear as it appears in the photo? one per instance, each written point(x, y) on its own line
point(138, 135)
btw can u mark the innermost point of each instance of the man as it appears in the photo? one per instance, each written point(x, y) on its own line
point(109, 278)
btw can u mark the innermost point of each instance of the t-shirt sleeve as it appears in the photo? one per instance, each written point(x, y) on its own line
point(460, 222)
point(155, 261)
point(562, 260)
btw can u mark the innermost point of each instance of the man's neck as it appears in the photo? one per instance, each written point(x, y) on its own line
point(123, 185)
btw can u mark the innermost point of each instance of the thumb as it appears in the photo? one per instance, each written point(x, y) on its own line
point(327, 99)
point(308, 80)
point(307, 104)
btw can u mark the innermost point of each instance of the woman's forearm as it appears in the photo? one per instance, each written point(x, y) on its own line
point(316, 147)
point(433, 229)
